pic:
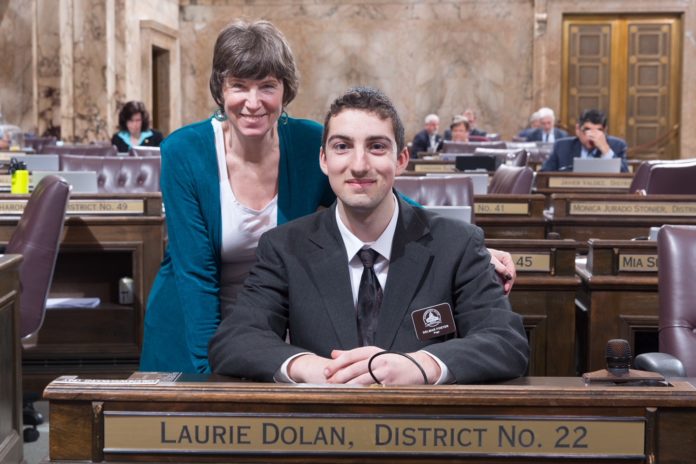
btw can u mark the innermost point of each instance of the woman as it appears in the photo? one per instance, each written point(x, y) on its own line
point(225, 181)
point(460, 129)
point(134, 128)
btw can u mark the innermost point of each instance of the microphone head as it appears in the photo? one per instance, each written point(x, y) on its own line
point(618, 356)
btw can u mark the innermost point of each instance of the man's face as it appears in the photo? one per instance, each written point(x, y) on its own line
point(432, 127)
point(587, 133)
point(361, 161)
point(546, 123)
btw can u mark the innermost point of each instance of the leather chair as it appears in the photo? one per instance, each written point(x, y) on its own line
point(512, 180)
point(81, 149)
point(118, 174)
point(38, 143)
point(640, 178)
point(676, 250)
point(36, 238)
point(144, 151)
point(438, 191)
point(673, 178)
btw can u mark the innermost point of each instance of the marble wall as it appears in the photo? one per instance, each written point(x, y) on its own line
point(73, 63)
point(429, 56)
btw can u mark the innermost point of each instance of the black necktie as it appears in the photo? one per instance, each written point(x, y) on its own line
point(369, 298)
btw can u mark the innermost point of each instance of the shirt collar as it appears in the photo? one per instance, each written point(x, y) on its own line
point(382, 245)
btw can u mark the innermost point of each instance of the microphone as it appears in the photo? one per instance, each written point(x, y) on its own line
point(618, 356)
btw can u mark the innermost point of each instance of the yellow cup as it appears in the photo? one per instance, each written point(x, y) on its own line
point(20, 181)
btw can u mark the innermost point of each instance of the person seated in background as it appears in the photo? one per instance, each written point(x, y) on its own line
point(458, 131)
point(590, 141)
point(470, 115)
point(371, 281)
point(534, 123)
point(428, 139)
point(134, 128)
point(546, 132)
point(4, 143)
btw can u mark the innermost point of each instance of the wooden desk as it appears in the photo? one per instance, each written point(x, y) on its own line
point(617, 298)
point(541, 420)
point(511, 216)
point(102, 242)
point(617, 217)
point(544, 294)
point(11, 440)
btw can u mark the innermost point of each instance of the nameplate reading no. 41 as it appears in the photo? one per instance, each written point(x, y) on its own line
point(83, 207)
point(618, 183)
point(190, 433)
point(501, 208)
point(627, 208)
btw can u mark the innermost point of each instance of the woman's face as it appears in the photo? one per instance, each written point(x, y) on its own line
point(135, 124)
point(253, 106)
point(459, 133)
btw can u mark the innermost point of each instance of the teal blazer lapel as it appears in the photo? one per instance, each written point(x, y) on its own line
point(409, 262)
point(329, 271)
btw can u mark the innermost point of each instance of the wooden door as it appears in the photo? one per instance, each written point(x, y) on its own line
point(630, 68)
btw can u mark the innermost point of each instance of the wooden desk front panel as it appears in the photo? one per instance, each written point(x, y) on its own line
point(11, 439)
point(617, 303)
point(78, 414)
point(546, 300)
point(491, 216)
point(95, 252)
point(620, 225)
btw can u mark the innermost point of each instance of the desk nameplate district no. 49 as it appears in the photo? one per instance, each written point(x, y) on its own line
point(81, 207)
point(219, 433)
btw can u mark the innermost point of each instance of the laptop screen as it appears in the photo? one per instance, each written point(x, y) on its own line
point(597, 165)
point(81, 181)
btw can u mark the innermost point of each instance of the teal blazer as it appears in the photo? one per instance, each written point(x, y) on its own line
point(183, 309)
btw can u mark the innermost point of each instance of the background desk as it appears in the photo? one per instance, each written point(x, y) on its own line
point(617, 217)
point(96, 250)
point(95, 422)
point(617, 298)
point(544, 294)
point(10, 362)
point(511, 216)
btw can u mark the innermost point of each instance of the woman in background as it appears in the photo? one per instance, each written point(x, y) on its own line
point(134, 128)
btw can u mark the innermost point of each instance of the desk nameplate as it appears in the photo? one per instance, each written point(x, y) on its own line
point(619, 183)
point(192, 433)
point(627, 208)
point(124, 206)
point(631, 262)
point(499, 208)
point(532, 262)
point(434, 168)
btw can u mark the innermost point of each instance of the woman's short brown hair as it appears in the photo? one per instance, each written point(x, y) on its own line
point(253, 51)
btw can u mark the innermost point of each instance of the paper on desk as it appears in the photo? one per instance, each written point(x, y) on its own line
point(59, 303)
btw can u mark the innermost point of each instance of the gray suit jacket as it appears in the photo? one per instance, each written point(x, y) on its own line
point(301, 284)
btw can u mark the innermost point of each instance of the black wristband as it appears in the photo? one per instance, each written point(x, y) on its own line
point(409, 357)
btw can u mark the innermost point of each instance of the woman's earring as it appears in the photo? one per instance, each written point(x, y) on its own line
point(283, 117)
point(220, 115)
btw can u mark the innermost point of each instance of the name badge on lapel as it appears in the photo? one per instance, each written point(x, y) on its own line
point(433, 321)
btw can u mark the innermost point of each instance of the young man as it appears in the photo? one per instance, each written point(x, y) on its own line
point(372, 273)
point(590, 141)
